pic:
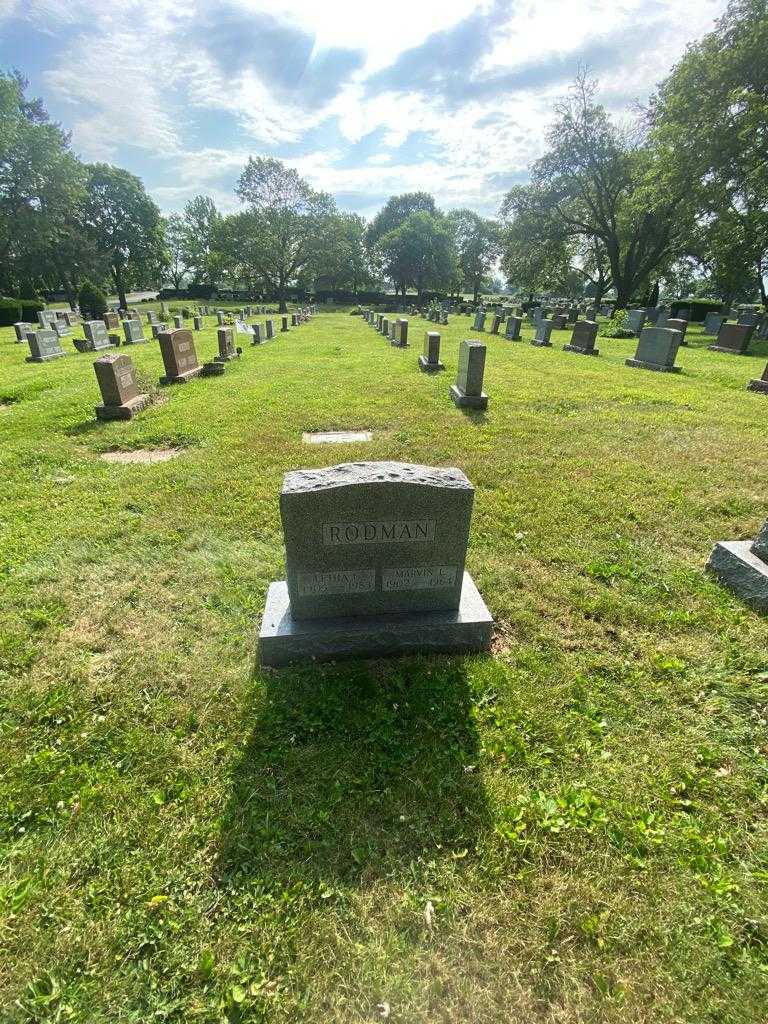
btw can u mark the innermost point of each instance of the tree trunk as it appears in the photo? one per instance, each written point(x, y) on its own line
point(761, 281)
point(282, 307)
point(120, 284)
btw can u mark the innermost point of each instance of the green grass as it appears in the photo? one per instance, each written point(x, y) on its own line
point(186, 838)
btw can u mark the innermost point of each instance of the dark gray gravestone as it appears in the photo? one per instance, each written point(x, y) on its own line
point(678, 324)
point(746, 319)
point(559, 321)
point(391, 330)
point(220, 317)
point(760, 383)
point(400, 339)
point(294, 320)
point(96, 337)
point(197, 323)
point(713, 322)
point(179, 356)
point(742, 566)
point(467, 392)
point(133, 332)
point(46, 318)
point(543, 331)
point(375, 555)
point(178, 322)
point(119, 389)
point(495, 323)
point(44, 345)
point(385, 326)
point(734, 339)
point(583, 339)
point(158, 329)
point(636, 320)
point(22, 329)
point(227, 351)
point(270, 329)
point(256, 334)
point(429, 362)
point(514, 323)
point(683, 314)
point(284, 323)
point(479, 323)
point(656, 350)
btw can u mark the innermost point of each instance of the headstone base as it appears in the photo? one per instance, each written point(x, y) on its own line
point(284, 640)
point(581, 351)
point(45, 359)
point(398, 344)
point(542, 344)
point(741, 571)
point(427, 367)
point(227, 358)
point(123, 412)
point(464, 401)
point(662, 368)
point(182, 377)
point(213, 369)
point(728, 351)
point(758, 385)
point(133, 341)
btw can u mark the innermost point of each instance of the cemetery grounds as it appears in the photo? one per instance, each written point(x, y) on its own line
point(572, 829)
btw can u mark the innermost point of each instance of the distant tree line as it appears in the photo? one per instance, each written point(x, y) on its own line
point(676, 201)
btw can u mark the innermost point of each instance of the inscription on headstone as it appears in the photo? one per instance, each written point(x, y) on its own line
point(179, 356)
point(133, 332)
point(44, 345)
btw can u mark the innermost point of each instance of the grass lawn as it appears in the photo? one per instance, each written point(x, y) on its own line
point(187, 838)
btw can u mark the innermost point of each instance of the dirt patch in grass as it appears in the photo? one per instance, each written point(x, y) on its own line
point(142, 455)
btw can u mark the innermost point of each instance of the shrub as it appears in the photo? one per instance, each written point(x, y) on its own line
point(617, 326)
point(13, 310)
point(92, 301)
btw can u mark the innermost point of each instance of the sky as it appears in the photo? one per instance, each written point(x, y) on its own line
point(365, 100)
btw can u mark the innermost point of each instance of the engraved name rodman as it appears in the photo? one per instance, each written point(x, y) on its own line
point(383, 532)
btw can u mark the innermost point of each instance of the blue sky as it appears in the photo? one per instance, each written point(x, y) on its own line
point(365, 100)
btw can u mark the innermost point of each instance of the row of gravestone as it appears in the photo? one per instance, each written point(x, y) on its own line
point(121, 398)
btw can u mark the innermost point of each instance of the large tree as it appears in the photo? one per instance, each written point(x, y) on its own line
point(709, 118)
point(176, 248)
point(597, 185)
point(477, 243)
point(126, 227)
point(41, 183)
point(395, 212)
point(343, 261)
point(420, 252)
point(202, 232)
point(288, 219)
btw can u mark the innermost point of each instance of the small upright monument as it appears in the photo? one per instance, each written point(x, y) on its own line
point(512, 332)
point(133, 332)
point(467, 392)
point(179, 356)
point(543, 332)
point(119, 389)
point(429, 362)
point(760, 383)
point(656, 350)
point(227, 351)
point(583, 339)
point(374, 555)
point(733, 339)
point(44, 345)
point(742, 566)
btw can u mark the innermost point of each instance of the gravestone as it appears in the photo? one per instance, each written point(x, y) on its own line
point(664, 315)
point(151, 317)
point(284, 323)
point(678, 324)
point(385, 326)
point(429, 362)
point(746, 319)
point(543, 331)
point(22, 329)
point(270, 325)
point(760, 383)
point(391, 330)
point(559, 322)
point(514, 324)
point(479, 322)
point(294, 320)
point(179, 356)
point(467, 392)
point(742, 566)
point(220, 317)
point(178, 322)
point(400, 339)
point(583, 339)
point(197, 323)
point(96, 337)
point(44, 345)
point(713, 322)
point(111, 321)
point(495, 323)
point(256, 328)
point(636, 320)
point(733, 339)
point(227, 351)
point(133, 332)
point(119, 388)
point(158, 329)
point(46, 318)
point(683, 314)
point(375, 555)
point(656, 350)
point(444, 318)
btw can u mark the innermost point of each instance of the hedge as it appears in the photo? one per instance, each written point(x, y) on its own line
point(14, 310)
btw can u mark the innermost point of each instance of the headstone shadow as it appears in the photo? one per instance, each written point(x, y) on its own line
point(351, 772)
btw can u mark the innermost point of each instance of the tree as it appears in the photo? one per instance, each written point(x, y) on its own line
point(420, 252)
point(126, 227)
point(176, 244)
point(596, 185)
point(395, 212)
point(343, 261)
point(92, 301)
point(709, 118)
point(288, 220)
point(477, 243)
point(202, 247)
point(41, 182)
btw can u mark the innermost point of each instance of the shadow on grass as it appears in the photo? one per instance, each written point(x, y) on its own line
point(351, 773)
